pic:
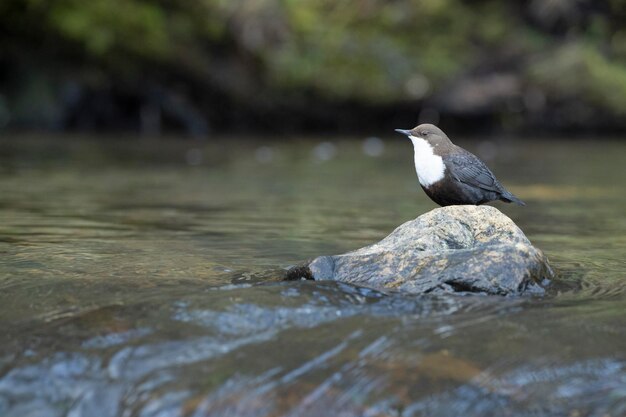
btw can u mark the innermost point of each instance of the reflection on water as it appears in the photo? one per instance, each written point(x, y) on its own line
point(117, 265)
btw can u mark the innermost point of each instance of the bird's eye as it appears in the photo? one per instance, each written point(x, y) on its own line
point(424, 133)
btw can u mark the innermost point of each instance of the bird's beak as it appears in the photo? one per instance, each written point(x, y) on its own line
point(404, 132)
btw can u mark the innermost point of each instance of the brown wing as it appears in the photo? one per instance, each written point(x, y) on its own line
point(468, 169)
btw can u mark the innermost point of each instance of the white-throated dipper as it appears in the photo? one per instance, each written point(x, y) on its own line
point(449, 174)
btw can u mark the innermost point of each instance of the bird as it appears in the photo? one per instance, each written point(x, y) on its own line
point(451, 175)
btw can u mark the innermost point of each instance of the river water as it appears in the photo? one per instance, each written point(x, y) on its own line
point(132, 283)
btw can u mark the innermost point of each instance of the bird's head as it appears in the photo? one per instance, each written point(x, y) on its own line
point(430, 133)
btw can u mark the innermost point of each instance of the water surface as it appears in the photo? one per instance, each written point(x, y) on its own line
point(129, 277)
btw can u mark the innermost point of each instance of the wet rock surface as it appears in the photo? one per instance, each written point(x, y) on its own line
point(449, 249)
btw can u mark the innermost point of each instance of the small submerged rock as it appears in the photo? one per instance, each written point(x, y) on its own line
point(449, 249)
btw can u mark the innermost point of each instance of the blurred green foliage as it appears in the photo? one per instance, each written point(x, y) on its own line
point(375, 52)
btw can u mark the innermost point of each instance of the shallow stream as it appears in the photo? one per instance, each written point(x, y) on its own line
point(129, 283)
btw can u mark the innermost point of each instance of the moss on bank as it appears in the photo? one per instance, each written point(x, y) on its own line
point(211, 59)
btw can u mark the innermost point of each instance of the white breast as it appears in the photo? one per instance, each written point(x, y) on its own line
point(429, 167)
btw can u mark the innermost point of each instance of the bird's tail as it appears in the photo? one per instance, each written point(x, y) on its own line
point(507, 197)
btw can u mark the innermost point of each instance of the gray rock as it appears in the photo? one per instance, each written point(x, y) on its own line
point(449, 249)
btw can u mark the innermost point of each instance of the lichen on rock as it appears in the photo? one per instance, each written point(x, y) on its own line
point(449, 249)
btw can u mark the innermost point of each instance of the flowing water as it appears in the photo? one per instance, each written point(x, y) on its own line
point(129, 283)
